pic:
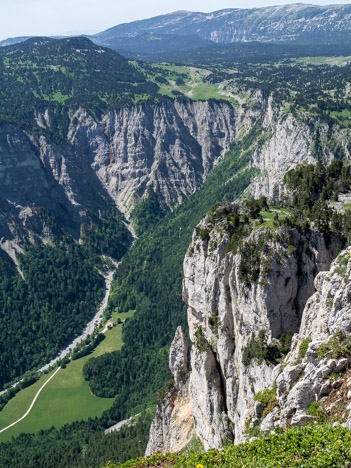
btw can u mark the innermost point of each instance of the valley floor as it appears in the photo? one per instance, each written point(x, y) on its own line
point(67, 396)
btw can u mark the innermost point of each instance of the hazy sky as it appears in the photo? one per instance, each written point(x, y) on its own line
point(55, 17)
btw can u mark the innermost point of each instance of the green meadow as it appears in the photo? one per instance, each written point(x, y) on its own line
point(66, 398)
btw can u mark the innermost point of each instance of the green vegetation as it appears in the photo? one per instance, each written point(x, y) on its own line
point(106, 234)
point(82, 445)
point(314, 445)
point(310, 183)
point(316, 409)
point(62, 74)
point(66, 398)
point(149, 282)
point(259, 350)
point(67, 74)
point(60, 290)
point(337, 346)
point(340, 61)
point(38, 315)
point(158, 253)
point(296, 77)
point(239, 222)
point(303, 348)
point(256, 257)
point(222, 56)
point(200, 340)
point(311, 191)
point(147, 212)
point(190, 82)
point(268, 399)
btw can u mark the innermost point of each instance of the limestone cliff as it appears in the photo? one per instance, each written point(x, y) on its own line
point(171, 147)
point(173, 425)
point(317, 368)
point(239, 326)
point(287, 142)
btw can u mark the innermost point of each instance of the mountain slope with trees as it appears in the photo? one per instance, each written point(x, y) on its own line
point(269, 92)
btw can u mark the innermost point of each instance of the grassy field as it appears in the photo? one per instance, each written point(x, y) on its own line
point(344, 116)
point(267, 217)
point(194, 85)
point(338, 61)
point(67, 396)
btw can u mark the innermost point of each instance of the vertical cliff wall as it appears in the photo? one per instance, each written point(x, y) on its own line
point(239, 325)
point(170, 147)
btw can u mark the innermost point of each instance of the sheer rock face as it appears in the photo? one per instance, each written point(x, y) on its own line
point(289, 146)
point(306, 379)
point(226, 316)
point(170, 147)
point(35, 173)
point(179, 358)
point(288, 142)
point(229, 316)
point(173, 425)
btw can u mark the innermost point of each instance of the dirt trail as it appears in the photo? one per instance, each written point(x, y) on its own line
point(32, 404)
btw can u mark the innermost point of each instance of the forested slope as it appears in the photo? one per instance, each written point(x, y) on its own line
point(267, 93)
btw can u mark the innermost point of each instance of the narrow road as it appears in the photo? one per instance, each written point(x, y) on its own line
point(34, 400)
point(89, 328)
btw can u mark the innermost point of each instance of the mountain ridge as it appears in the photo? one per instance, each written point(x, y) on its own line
point(298, 23)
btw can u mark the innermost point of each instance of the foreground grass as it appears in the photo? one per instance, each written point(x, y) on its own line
point(311, 446)
point(65, 399)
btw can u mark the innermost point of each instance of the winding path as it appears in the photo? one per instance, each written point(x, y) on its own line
point(34, 400)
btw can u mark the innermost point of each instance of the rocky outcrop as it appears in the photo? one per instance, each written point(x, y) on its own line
point(234, 320)
point(321, 352)
point(173, 425)
point(244, 301)
point(170, 147)
point(288, 142)
point(38, 177)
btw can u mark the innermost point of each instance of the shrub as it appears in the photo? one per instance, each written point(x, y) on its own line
point(318, 411)
point(201, 343)
point(311, 446)
point(337, 346)
point(303, 348)
point(203, 233)
point(268, 399)
point(214, 322)
point(258, 349)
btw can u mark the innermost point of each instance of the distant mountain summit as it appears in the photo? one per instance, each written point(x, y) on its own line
point(296, 23)
point(287, 23)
